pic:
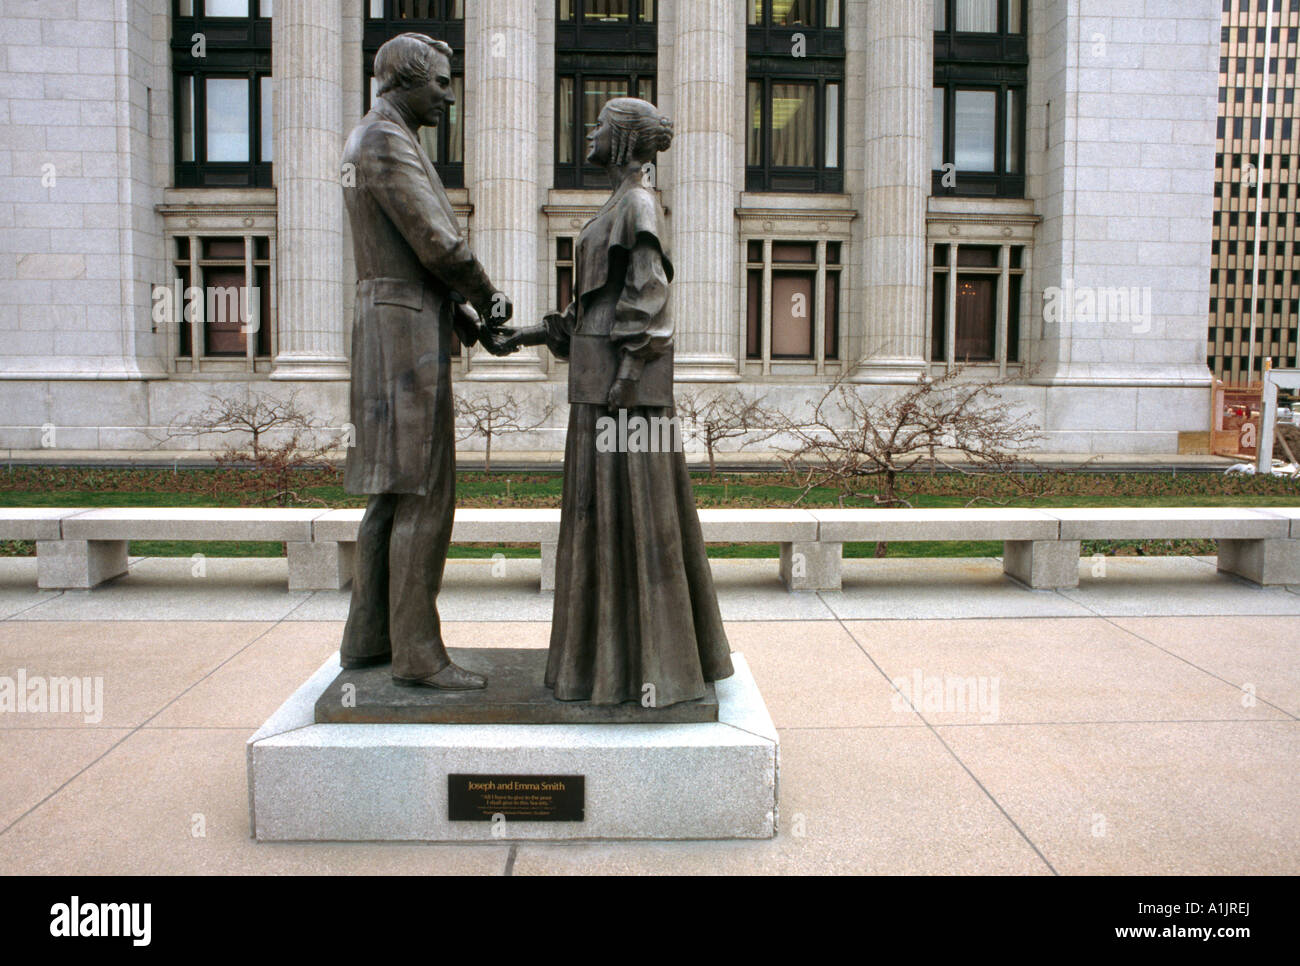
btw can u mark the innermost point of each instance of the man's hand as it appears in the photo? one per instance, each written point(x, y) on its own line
point(495, 312)
point(465, 322)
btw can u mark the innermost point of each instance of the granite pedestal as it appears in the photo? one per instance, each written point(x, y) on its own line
point(310, 781)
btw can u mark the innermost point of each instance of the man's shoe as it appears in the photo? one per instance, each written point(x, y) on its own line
point(450, 678)
point(354, 663)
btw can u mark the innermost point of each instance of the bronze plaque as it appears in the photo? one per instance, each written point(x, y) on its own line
point(518, 798)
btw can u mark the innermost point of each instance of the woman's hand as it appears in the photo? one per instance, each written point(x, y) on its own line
point(500, 340)
point(622, 394)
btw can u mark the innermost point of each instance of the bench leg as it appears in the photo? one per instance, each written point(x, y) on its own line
point(1264, 562)
point(549, 552)
point(1042, 564)
point(320, 566)
point(812, 565)
point(78, 564)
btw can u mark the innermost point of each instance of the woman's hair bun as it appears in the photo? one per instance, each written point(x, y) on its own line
point(640, 131)
point(660, 134)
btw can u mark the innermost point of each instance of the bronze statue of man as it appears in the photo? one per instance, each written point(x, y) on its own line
point(415, 274)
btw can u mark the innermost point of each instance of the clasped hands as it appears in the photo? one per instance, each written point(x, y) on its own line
point(500, 339)
point(486, 323)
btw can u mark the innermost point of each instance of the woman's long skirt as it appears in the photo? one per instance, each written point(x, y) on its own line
point(636, 616)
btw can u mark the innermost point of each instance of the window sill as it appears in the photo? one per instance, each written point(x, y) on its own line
point(983, 369)
point(822, 215)
point(220, 366)
point(205, 198)
point(794, 368)
point(953, 205)
point(566, 198)
point(762, 200)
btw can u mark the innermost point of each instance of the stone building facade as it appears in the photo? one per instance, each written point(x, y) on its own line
point(873, 189)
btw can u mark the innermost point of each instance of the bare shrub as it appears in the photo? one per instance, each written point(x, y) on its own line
point(494, 414)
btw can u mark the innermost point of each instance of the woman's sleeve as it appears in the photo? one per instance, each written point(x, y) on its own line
point(641, 328)
point(559, 328)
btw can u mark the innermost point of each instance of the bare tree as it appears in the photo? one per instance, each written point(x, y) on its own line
point(961, 425)
point(714, 416)
point(275, 437)
point(491, 415)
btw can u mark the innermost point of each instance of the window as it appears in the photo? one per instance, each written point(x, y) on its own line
point(220, 300)
point(975, 315)
point(793, 300)
point(794, 96)
point(563, 272)
point(442, 20)
point(603, 49)
point(222, 91)
point(981, 69)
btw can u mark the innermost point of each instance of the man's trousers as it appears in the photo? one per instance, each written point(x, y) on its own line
point(400, 556)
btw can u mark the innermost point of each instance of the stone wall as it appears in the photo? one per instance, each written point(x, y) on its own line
point(1123, 102)
point(1120, 163)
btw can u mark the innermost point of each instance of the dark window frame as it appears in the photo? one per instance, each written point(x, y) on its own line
point(185, 258)
point(984, 61)
point(235, 47)
point(971, 270)
point(766, 37)
point(769, 62)
point(828, 329)
point(622, 51)
point(376, 31)
point(640, 33)
point(768, 176)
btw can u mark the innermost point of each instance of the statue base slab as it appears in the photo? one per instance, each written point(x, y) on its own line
point(310, 781)
point(515, 694)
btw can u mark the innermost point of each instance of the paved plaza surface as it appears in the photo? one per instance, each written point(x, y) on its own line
point(935, 717)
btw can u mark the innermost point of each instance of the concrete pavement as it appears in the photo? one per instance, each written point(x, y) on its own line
point(935, 717)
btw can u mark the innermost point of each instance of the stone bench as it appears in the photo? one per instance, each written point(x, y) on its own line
point(1041, 547)
point(326, 564)
point(90, 546)
point(44, 525)
point(1258, 544)
point(80, 548)
point(822, 561)
point(33, 523)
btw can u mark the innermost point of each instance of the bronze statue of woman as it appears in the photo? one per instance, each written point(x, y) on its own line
point(636, 616)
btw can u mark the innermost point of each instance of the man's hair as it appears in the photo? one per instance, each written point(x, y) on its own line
point(406, 61)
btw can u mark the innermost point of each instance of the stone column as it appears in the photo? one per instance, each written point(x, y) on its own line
point(308, 44)
point(502, 163)
point(703, 198)
point(899, 65)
